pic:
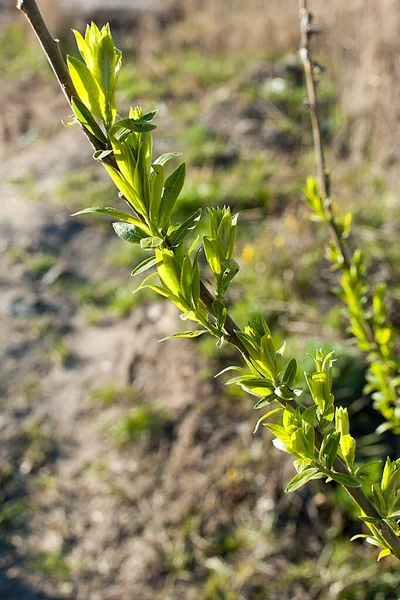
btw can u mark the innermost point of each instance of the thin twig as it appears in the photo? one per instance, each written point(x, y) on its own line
point(369, 510)
point(230, 326)
point(307, 31)
point(52, 51)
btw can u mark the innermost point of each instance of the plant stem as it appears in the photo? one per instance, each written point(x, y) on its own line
point(230, 326)
point(370, 510)
point(306, 32)
point(51, 49)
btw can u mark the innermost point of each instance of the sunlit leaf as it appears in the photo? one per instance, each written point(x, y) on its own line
point(185, 334)
point(86, 86)
point(172, 188)
point(129, 233)
point(114, 213)
point(144, 265)
point(302, 478)
point(268, 414)
point(191, 222)
point(383, 553)
point(85, 117)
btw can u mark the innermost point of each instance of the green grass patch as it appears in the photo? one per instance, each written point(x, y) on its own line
point(146, 421)
point(110, 394)
point(20, 55)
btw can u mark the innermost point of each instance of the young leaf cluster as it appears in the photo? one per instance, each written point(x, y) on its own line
point(366, 310)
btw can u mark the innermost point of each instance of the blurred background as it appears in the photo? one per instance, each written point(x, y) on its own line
point(126, 470)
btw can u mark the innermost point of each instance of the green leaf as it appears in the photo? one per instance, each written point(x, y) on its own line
point(302, 478)
point(301, 444)
point(365, 467)
point(86, 86)
point(232, 234)
point(186, 315)
point(191, 222)
point(378, 498)
point(309, 415)
point(268, 414)
point(157, 182)
point(372, 520)
point(214, 255)
point(232, 368)
point(143, 169)
point(147, 117)
point(130, 125)
point(223, 232)
point(383, 553)
point(258, 387)
point(239, 378)
point(170, 273)
point(280, 433)
point(388, 471)
point(172, 188)
point(144, 265)
point(375, 542)
point(185, 334)
point(329, 448)
point(268, 353)
point(84, 49)
point(301, 464)
point(144, 284)
point(253, 351)
point(105, 72)
point(85, 117)
point(280, 445)
point(196, 280)
point(391, 483)
point(125, 153)
point(164, 158)
point(289, 375)
point(101, 155)
point(348, 448)
point(126, 189)
point(346, 480)
point(230, 264)
point(359, 536)
point(264, 401)
point(114, 213)
point(186, 279)
point(283, 392)
point(161, 291)
point(219, 312)
point(92, 34)
point(151, 242)
point(129, 233)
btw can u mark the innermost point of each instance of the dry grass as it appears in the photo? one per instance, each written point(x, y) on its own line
point(360, 45)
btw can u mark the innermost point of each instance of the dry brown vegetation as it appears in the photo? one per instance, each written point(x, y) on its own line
point(361, 47)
